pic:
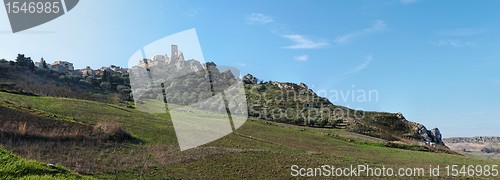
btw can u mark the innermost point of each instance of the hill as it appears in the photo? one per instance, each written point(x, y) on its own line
point(483, 147)
point(274, 101)
point(259, 149)
point(297, 104)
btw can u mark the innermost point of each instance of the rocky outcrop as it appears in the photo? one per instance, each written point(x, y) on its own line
point(301, 87)
point(430, 137)
point(249, 79)
point(436, 136)
point(194, 65)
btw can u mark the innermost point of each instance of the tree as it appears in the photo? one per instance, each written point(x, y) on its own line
point(20, 59)
point(30, 63)
point(107, 76)
point(24, 61)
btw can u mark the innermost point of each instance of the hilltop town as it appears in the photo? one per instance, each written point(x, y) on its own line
point(68, 68)
point(176, 59)
point(61, 79)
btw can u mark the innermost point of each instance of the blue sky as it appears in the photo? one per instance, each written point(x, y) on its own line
point(437, 62)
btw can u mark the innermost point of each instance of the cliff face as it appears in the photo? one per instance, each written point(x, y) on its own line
point(430, 137)
point(297, 104)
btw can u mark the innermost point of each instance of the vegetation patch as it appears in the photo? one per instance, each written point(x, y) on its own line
point(14, 167)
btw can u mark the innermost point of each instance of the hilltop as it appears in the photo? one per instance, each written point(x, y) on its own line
point(60, 79)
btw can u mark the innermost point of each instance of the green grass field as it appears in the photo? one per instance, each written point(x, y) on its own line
point(14, 167)
point(256, 150)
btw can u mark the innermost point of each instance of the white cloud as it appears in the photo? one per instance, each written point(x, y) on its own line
point(242, 64)
point(302, 58)
point(408, 1)
point(376, 26)
point(302, 42)
point(460, 32)
point(344, 39)
point(453, 43)
point(362, 66)
point(259, 19)
point(299, 41)
point(457, 37)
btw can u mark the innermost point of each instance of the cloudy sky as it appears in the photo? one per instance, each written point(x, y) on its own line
point(437, 62)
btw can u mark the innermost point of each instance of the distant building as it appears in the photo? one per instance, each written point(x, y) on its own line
point(39, 64)
point(99, 72)
point(62, 67)
point(66, 64)
point(114, 68)
point(87, 71)
point(176, 58)
point(118, 70)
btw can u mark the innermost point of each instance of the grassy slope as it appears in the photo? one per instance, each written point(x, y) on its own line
point(14, 167)
point(256, 150)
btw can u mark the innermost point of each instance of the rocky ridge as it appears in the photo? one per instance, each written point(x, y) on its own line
point(264, 99)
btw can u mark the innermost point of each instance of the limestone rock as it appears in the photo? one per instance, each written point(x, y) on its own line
point(249, 79)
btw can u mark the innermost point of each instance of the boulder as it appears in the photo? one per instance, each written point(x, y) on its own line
point(249, 79)
point(436, 136)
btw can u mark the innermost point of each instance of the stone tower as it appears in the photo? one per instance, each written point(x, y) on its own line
point(174, 53)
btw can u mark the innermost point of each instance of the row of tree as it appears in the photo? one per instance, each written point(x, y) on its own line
point(23, 61)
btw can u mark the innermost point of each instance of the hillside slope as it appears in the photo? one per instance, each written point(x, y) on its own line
point(297, 104)
point(258, 149)
point(14, 167)
point(274, 101)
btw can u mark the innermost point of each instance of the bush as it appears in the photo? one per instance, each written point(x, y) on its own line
point(490, 150)
point(41, 71)
point(105, 85)
point(112, 131)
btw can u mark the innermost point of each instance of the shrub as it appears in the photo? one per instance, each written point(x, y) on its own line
point(105, 85)
point(112, 131)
